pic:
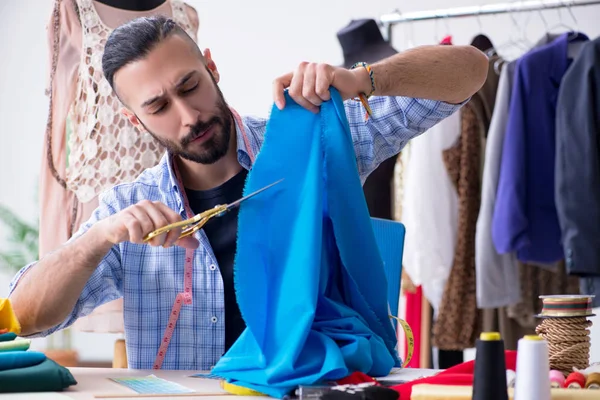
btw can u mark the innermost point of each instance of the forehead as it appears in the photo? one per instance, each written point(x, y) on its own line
point(158, 71)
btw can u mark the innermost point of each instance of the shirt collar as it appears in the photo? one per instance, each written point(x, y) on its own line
point(560, 53)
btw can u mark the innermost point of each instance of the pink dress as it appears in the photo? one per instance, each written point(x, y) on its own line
point(89, 146)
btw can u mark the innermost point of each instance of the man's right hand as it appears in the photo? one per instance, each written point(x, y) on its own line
point(135, 222)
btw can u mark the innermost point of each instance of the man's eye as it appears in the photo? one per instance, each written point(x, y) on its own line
point(190, 90)
point(159, 109)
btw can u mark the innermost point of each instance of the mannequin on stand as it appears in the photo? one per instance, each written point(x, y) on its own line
point(89, 145)
point(133, 5)
point(361, 40)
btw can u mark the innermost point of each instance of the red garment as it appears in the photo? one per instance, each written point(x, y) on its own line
point(354, 379)
point(461, 375)
point(414, 304)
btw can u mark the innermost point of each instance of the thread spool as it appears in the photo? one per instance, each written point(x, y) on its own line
point(533, 380)
point(575, 380)
point(489, 380)
point(557, 379)
point(565, 327)
point(510, 378)
point(593, 381)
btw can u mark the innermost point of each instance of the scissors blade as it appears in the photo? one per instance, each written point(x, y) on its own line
point(238, 202)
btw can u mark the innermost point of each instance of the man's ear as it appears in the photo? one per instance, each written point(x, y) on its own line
point(133, 119)
point(212, 66)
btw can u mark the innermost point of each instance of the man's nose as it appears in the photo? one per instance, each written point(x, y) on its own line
point(188, 114)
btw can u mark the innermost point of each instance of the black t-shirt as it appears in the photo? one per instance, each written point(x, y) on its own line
point(222, 235)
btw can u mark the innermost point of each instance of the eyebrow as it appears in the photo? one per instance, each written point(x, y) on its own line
point(180, 83)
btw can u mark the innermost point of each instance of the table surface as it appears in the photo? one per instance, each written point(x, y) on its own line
point(92, 382)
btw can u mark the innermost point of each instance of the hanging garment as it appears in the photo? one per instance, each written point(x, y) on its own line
point(89, 145)
point(578, 167)
point(314, 228)
point(459, 321)
point(525, 219)
point(430, 210)
point(496, 274)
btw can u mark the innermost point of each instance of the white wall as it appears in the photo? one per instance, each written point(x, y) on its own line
point(252, 43)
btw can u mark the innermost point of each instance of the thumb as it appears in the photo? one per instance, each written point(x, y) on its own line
point(279, 85)
point(188, 242)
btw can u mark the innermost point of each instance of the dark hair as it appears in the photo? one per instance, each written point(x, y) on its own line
point(134, 40)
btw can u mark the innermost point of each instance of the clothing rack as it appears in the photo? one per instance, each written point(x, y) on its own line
point(389, 20)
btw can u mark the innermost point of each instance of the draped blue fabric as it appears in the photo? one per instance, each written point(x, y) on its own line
point(309, 278)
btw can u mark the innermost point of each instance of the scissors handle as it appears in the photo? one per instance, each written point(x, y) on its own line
point(191, 225)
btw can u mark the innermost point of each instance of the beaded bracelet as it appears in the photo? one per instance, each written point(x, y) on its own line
point(362, 96)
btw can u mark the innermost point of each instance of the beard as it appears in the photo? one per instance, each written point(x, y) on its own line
point(213, 149)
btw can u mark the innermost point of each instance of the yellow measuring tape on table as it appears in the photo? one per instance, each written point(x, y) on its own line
point(410, 339)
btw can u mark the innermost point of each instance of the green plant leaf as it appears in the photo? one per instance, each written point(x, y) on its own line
point(22, 239)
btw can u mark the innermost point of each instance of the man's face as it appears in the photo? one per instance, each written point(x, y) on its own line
point(174, 96)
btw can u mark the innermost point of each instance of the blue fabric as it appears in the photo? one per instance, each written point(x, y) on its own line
point(309, 277)
point(6, 337)
point(20, 359)
point(525, 219)
point(149, 278)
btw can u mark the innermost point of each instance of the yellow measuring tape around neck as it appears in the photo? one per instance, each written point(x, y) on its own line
point(410, 340)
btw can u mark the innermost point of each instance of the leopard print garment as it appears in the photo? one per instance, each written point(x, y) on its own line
point(537, 281)
point(459, 321)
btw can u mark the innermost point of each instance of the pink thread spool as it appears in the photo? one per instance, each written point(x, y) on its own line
point(557, 379)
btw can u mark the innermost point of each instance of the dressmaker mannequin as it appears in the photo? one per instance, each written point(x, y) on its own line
point(72, 177)
point(361, 40)
point(133, 5)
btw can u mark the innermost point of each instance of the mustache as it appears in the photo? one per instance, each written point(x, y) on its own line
point(199, 128)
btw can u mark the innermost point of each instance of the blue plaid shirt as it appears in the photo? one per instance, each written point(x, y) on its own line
point(149, 278)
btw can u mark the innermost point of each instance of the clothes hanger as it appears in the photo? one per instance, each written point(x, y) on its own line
point(517, 38)
point(572, 32)
point(436, 38)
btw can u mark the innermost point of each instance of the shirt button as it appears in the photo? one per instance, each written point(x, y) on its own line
point(214, 320)
point(213, 267)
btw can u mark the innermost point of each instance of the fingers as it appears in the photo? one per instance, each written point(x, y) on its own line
point(323, 81)
point(279, 85)
point(161, 216)
point(171, 217)
point(297, 89)
point(145, 217)
point(308, 85)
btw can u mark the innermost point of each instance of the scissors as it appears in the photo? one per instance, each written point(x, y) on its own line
point(196, 223)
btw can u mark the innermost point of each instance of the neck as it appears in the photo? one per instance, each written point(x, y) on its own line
point(133, 5)
point(196, 176)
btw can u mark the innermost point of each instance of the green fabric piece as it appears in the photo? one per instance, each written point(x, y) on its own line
point(7, 337)
point(15, 345)
point(47, 376)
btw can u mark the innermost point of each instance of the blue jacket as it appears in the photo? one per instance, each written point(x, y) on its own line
point(525, 219)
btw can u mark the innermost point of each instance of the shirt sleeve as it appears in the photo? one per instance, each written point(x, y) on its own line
point(577, 187)
point(105, 283)
point(509, 222)
point(394, 122)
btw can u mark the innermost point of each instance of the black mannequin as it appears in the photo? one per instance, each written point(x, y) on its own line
point(133, 5)
point(361, 40)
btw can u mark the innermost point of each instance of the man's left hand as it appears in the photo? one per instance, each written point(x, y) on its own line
point(309, 84)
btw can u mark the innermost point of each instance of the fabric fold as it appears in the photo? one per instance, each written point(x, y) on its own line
point(309, 278)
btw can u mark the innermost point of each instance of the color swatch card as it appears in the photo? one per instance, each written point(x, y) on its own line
point(151, 384)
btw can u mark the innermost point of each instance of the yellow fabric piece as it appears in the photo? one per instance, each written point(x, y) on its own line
point(239, 390)
point(8, 319)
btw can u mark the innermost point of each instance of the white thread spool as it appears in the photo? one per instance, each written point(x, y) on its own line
point(533, 368)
